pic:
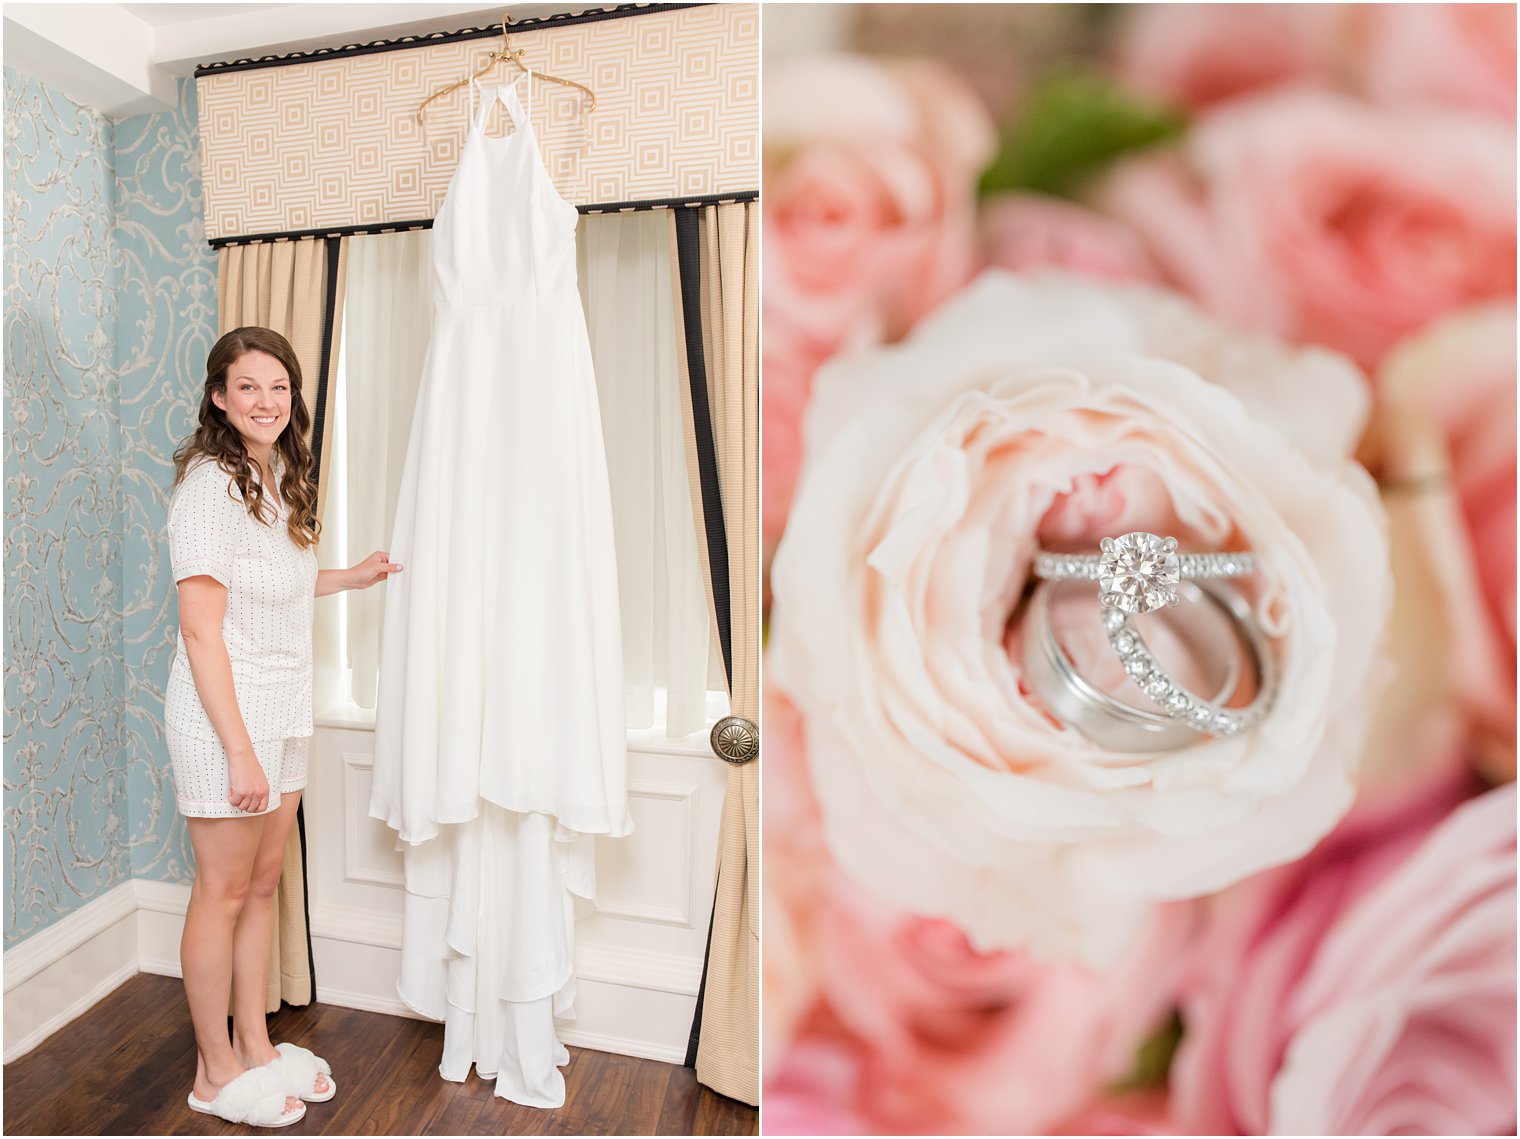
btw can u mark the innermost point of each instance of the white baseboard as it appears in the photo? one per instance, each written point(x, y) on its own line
point(629, 1001)
point(666, 1053)
point(61, 972)
point(160, 921)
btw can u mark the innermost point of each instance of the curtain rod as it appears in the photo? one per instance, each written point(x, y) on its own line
point(427, 223)
point(536, 23)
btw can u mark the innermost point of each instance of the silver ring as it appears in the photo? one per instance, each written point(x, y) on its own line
point(1100, 716)
point(1204, 716)
point(1139, 572)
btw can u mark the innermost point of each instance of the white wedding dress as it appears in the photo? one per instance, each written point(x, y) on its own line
point(500, 741)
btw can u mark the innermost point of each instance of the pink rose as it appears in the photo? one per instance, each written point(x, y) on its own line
point(954, 1040)
point(1367, 990)
point(1028, 231)
point(1050, 409)
point(796, 867)
point(1129, 1113)
point(1461, 54)
point(813, 1089)
point(876, 1019)
point(1446, 435)
point(1397, 55)
point(788, 375)
point(1201, 54)
point(1327, 221)
point(869, 222)
point(870, 189)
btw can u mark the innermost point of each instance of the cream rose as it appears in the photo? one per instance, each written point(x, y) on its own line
point(932, 472)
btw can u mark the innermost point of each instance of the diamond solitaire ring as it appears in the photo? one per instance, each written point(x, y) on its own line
point(1139, 572)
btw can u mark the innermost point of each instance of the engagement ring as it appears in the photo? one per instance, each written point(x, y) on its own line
point(1140, 573)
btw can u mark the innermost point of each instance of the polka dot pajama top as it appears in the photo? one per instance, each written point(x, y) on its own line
point(271, 588)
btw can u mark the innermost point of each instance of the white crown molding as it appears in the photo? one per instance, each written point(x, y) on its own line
point(99, 55)
point(109, 57)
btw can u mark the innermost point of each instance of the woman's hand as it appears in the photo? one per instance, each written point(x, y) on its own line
point(247, 785)
point(377, 567)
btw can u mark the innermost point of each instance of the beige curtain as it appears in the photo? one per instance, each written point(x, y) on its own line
point(283, 286)
point(726, 248)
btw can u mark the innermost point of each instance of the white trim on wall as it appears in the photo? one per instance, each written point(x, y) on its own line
point(59, 973)
point(63, 971)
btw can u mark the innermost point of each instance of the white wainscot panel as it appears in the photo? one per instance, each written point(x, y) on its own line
point(647, 875)
point(639, 956)
point(369, 846)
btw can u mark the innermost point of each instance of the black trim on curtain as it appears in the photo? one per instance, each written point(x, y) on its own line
point(689, 254)
point(689, 258)
point(694, 1037)
point(329, 320)
point(633, 206)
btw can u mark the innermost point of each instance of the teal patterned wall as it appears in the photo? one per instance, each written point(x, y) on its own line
point(110, 308)
point(166, 325)
point(65, 787)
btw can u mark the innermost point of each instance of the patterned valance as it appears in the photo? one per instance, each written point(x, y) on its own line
point(333, 141)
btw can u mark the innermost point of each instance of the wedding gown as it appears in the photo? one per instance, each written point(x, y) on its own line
point(500, 741)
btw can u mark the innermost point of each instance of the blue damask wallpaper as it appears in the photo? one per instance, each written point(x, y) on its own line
point(166, 325)
point(65, 787)
point(110, 309)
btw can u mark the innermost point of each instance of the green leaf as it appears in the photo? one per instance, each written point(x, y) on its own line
point(1153, 1059)
point(1072, 126)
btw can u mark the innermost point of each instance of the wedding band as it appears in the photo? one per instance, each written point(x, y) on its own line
point(1139, 572)
point(1102, 717)
point(1204, 716)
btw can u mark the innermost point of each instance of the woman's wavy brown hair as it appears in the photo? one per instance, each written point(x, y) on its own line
point(217, 439)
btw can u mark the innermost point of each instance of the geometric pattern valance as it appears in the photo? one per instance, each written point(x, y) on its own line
point(335, 141)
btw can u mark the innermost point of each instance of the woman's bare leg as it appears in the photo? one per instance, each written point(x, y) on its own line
point(252, 937)
point(225, 850)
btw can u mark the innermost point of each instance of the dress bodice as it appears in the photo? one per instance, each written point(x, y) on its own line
point(503, 235)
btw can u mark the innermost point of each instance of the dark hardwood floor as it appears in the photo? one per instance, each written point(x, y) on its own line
point(125, 1068)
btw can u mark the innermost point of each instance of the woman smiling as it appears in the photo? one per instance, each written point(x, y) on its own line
point(242, 532)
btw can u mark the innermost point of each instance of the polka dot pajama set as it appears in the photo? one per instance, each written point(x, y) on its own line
point(271, 587)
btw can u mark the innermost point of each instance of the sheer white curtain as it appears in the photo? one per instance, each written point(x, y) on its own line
point(388, 306)
point(668, 637)
point(669, 643)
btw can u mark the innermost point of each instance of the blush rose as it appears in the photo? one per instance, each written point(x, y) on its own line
point(931, 470)
point(869, 204)
point(1367, 990)
point(1325, 220)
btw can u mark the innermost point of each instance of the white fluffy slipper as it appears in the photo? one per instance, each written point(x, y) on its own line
point(300, 1066)
point(257, 1098)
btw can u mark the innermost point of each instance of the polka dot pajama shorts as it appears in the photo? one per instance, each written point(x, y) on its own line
point(200, 773)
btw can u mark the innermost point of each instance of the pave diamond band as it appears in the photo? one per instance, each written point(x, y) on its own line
point(1206, 630)
point(1205, 716)
point(1192, 567)
point(1139, 572)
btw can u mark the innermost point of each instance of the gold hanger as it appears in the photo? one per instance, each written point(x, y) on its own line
point(507, 54)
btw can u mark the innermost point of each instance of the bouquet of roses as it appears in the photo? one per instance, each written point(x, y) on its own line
point(1234, 301)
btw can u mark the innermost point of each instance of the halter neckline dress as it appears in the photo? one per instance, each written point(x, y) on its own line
point(500, 740)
